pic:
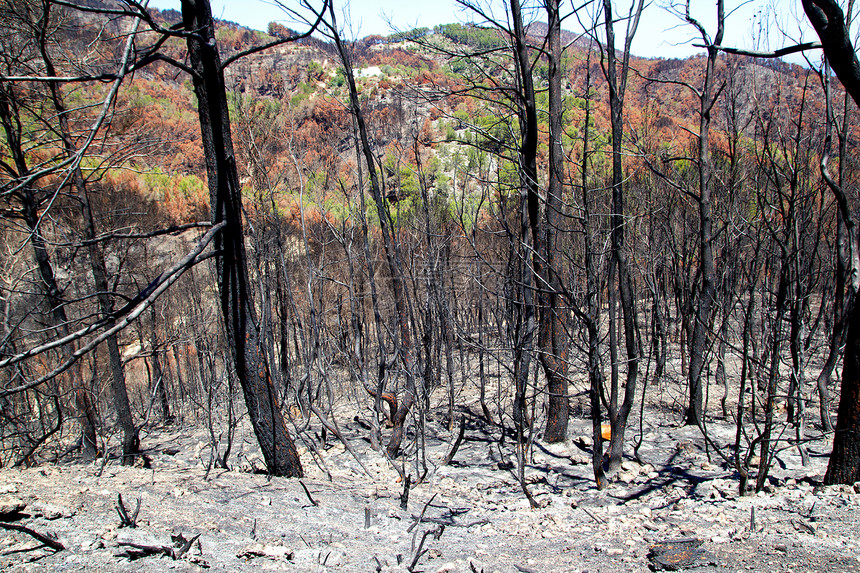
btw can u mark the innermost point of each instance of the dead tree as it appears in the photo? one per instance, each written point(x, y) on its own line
point(619, 267)
point(403, 341)
point(552, 319)
point(248, 353)
point(700, 331)
point(831, 25)
point(844, 467)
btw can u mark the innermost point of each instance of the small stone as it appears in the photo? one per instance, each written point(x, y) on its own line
point(630, 466)
point(92, 545)
point(259, 550)
point(678, 554)
point(681, 504)
point(706, 490)
point(50, 511)
point(109, 535)
point(11, 506)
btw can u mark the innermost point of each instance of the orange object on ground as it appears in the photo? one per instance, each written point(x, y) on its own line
point(606, 431)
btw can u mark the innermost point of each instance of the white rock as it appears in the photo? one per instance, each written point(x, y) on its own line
point(92, 545)
point(11, 505)
point(261, 550)
point(630, 466)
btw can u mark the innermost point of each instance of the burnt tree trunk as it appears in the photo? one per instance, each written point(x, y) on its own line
point(392, 254)
point(225, 195)
point(844, 466)
point(700, 332)
point(529, 233)
point(552, 319)
point(97, 263)
point(591, 316)
point(617, 83)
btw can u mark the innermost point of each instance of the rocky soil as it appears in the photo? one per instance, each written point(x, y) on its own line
point(470, 515)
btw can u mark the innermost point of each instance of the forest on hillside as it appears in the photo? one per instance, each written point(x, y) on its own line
point(501, 223)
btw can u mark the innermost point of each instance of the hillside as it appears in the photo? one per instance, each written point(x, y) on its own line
point(402, 81)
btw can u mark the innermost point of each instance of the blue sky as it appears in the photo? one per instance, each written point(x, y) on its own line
point(661, 34)
point(369, 15)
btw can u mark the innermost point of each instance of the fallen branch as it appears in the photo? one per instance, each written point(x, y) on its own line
point(592, 516)
point(49, 541)
point(179, 548)
point(449, 522)
point(334, 430)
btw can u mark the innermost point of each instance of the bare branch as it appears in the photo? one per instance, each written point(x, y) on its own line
point(759, 54)
point(172, 230)
point(138, 305)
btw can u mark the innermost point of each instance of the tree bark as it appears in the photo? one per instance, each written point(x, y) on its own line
point(844, 464)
